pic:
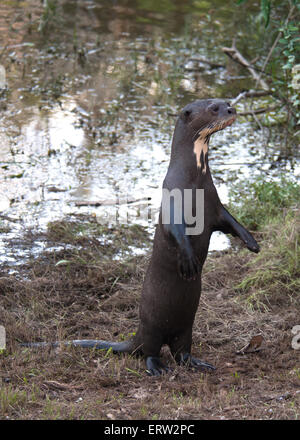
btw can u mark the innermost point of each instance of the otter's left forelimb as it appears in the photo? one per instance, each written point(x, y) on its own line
point(229, 225)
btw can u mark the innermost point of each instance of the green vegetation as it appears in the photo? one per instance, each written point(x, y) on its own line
point(261, 202)
point(49, 15)
point(274, 274)
point(277, 24)
point(87, 231)
point(12, 398)
point(272, 208)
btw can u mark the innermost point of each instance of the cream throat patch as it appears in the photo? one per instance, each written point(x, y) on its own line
point(201, 146)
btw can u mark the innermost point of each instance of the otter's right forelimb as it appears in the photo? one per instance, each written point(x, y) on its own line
point(188, 263)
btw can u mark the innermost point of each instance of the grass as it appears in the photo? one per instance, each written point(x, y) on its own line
point(49, 16)
point(274, 275)
point(260, 202)
point(273, 209)
point(80, 230)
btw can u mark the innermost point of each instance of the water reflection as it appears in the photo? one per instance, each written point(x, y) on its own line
point(88, 115)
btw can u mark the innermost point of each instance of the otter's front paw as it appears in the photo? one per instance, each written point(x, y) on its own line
point(188, 266)
point(249, 241)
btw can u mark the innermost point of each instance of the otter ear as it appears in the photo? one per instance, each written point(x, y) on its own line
point(187, 113)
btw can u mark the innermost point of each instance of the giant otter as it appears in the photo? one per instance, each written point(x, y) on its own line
point(172, 284)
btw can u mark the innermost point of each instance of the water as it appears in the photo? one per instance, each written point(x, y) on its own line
point(88, 113)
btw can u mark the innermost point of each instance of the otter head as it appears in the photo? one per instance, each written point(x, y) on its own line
point(203, 118)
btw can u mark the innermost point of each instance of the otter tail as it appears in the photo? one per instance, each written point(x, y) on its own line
point(116, 347)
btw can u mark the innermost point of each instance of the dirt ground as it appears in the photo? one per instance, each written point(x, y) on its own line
point(88, 295)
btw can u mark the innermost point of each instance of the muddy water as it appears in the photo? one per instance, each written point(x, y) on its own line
point(87, 114)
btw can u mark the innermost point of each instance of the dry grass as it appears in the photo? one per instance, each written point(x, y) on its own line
point(91, 296)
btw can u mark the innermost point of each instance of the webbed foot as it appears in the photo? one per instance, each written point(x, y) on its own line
point(155, 367)
point(190, 361)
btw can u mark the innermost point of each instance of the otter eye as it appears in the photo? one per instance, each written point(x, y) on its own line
point(187, 113)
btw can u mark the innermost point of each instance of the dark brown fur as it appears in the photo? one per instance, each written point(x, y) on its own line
point(172, 285)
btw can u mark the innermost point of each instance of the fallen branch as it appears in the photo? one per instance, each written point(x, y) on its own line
point(235, 55)
point(113, 202)
point(53, 384)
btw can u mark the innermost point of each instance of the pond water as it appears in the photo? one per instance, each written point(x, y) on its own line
point(92, 92)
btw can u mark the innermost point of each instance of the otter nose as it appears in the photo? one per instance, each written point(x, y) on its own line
point(231, 111)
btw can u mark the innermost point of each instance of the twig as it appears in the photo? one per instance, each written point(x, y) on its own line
point(284, 396)
point(2, 52)
point(250, 94)
point(139, 85)
point(257, 121)
point(9, 219)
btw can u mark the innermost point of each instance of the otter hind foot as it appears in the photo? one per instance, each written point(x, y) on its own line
point(190, 361)
point(155, 367)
